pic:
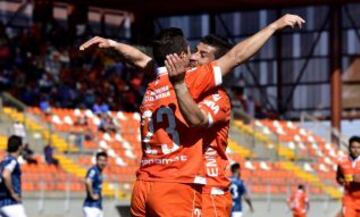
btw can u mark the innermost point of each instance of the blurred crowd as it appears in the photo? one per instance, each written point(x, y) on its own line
point(43, 67)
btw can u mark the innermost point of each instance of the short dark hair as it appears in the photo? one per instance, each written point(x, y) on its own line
point(234, 167)
point(221, 44)
point(101, 154)
point(14, 143)
point(168, 41)
point(354, 139)
point(301, 186)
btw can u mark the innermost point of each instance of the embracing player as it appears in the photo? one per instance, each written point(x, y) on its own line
point(171, 166)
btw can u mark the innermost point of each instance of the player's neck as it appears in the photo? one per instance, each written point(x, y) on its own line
point(355, 158)
point(161, 71)
point(15, 155)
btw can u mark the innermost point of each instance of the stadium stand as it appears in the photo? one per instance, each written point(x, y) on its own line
point(264, 175)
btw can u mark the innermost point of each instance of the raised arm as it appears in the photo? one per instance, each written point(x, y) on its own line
point(250, 46)
point(131, 54)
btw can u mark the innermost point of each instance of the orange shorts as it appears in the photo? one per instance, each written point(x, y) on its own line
point(165, 199)
point(216, 205)
point(351, 207)
point(299, 214)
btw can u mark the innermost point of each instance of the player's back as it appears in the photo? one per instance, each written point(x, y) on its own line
point(237, 189)
point(172, 150)
point(10, 162)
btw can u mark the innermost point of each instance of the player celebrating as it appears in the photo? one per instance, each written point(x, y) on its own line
point(93, 182)
point(348, 175)
point(10, 186)
point(197, 85)
point(299, 202)
point(238, 191)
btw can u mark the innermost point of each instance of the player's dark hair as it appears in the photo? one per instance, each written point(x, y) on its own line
point(168, 41)
point(101, 154)
point(301, 187)
point(220, 43)
point(14, 143)
point(354, 139)
point(234, 167)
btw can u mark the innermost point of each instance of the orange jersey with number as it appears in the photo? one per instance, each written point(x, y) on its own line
point(172, 151)
point(298, 202)
point(349, 168)
point(218, 107)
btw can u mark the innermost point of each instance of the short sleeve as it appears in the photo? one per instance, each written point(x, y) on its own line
point(217, 107)
point(203, 78)
point(91, 174)
point(11, 165)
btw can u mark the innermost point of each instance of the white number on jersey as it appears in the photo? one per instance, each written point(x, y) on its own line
point(234, 191)
point(171, 130)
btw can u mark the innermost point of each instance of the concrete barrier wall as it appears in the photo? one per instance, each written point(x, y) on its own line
point(263, 208)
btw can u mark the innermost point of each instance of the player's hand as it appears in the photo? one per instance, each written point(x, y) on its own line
point(95, 196)
point(290, 20)
point(16, 197)
point(99, 41)
point(176, 68)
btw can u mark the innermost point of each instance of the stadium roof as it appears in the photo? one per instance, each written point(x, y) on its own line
point(163, 7)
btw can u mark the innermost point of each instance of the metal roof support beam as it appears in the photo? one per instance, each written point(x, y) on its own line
point(17, 12)
point(279, 72)
point(308, 57)
point(352, 21)
point(335, 69)
point(251, 71)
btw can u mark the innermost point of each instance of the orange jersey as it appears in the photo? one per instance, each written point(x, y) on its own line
point(349, 168)
point(217, 105)
point(172, 151)
point(298, 202)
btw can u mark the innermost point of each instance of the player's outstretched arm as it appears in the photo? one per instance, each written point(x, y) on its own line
point(193, 115)
point(133, 55)
point(250, 46)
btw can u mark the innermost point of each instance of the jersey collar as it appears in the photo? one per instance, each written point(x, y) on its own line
point(161, 71)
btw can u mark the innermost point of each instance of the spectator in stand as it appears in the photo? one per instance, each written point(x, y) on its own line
point(45, 107)
point(28, 155)
point(19, 130)
point(49, 155)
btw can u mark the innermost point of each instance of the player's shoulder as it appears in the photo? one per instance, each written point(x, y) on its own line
point(341, 159)
point(93, 170)
point(10, 159)
point(236, 181)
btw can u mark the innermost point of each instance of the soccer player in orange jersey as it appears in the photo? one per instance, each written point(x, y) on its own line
point(299, 202)
point(348, 175)
point(169, 171)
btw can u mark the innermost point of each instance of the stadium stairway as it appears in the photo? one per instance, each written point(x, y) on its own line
point(286, 156)
point(268, 148)
point(58, 142)
point(62, 146)
point(314, 180)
